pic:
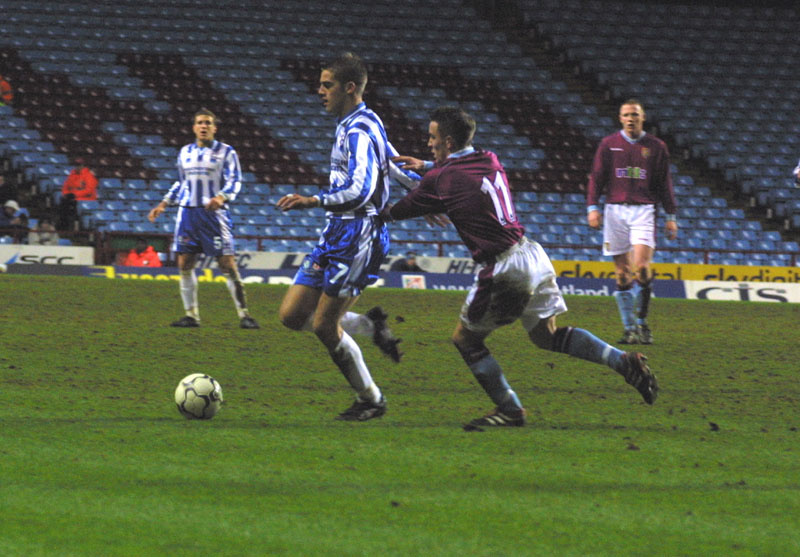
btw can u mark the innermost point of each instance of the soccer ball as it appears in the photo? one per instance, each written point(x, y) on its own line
point(198, 396)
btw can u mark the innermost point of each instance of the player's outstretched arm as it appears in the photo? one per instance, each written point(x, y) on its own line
point(437, 220)
point(295, 201)
point(409, 163)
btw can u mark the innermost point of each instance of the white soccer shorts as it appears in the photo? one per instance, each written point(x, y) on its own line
point(521, 284)
point(625, 226)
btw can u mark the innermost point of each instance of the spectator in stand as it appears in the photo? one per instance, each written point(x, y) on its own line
point(407, 264)
point(12, 216)
point(6, 92)
point(14, 221)
point(81, 182)
point(67, 212)
point(5, 190)
point(796, 173)
point(44, 233)
point(143, 255)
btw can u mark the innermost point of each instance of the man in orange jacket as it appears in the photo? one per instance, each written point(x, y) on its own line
point(6, 92)
point(142, 256)
point(81, 182)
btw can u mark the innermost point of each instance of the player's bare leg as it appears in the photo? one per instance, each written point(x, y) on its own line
point(298, 306)
point(188, 286)
point(227, 264)
point(625, 296)
point(372, 324)
point(509, 410)
point(301, 304)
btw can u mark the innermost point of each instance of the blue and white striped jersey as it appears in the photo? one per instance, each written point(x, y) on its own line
point(204, 172)
point(360, 166)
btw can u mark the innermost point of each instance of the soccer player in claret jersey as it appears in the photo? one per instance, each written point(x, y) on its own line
point(515, 278)
point(354, 242)
point(631, 168)
point(209, 178)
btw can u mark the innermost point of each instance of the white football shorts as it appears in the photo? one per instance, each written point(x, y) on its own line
point(520, 284)
point(625, 226)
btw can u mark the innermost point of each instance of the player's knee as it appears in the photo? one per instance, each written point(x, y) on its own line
point(470, 350)
point(292, 320)
point(541, 335)
point(624, 282)
point(328, 336)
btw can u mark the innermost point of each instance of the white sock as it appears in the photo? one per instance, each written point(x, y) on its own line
point(188, 285)
point(357, 324)
point(353, 324)
point(347, 356)
point(371, 393)
point(236, 288)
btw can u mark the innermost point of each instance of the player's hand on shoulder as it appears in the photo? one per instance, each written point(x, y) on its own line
point(409, 163)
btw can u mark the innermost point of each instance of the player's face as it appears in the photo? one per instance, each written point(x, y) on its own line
point(631, 116)
point(204, 129)
point(332, 93)
point(437, 143)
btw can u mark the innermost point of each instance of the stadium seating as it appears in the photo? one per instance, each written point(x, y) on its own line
point(118, 85)
point(708, 80)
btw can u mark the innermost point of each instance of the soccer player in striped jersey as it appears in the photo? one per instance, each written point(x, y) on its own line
point(515, 278)
point(354, 241)
point(209, 178)
point(631, 168)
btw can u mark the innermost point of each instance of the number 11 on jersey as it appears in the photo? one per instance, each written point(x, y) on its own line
point(501, 198)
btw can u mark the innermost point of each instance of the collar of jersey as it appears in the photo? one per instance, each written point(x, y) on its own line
point(213, 144)
point(360, 106)
point(462, 153)
point(632, 141)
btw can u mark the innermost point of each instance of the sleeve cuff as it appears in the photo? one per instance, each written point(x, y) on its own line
point(429, 164)
point(591, 208)
point(671, 217)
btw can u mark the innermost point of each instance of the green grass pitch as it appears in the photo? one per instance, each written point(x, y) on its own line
point(96, 460)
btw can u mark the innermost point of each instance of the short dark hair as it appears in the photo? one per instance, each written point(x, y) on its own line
point(349, 67)
point(205, 112)
point(456, 123)
point(633, 100)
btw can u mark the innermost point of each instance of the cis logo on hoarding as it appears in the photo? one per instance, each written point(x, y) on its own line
point(743, 292)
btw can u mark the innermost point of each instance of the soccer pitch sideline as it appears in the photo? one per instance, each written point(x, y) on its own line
point(96, 459)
